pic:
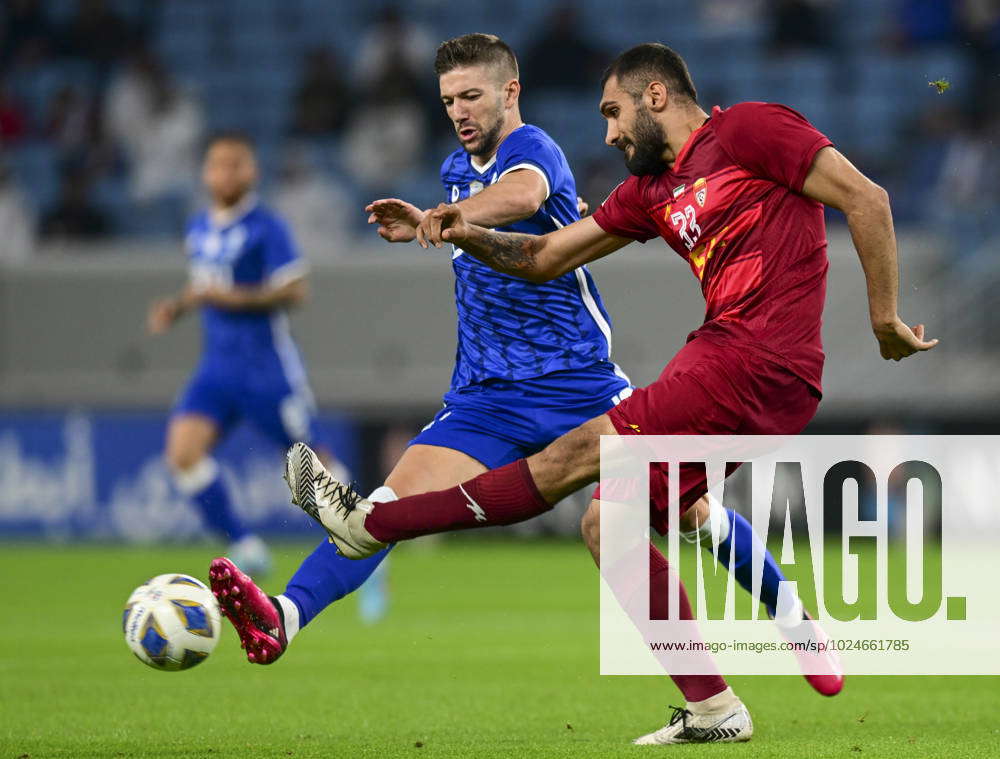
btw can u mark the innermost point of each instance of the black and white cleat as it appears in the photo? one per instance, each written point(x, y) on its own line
point(336, 506)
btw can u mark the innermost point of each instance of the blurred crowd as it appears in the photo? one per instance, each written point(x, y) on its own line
point(104, 105)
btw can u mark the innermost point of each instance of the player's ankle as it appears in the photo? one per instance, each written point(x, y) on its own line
point(721, 702)
point(289, 614)
point(789, 611)
point(382, 494)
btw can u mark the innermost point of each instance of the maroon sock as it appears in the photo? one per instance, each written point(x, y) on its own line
point(501, 496)
point(694, 687)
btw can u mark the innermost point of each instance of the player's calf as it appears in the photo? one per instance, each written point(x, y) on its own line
point(590, 529)
point(723, 532)
point(361, 528)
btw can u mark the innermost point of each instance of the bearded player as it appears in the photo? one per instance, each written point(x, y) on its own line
point(533, 360)
point(739, 195)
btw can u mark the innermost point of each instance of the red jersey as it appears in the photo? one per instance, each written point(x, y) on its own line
point(732, 207)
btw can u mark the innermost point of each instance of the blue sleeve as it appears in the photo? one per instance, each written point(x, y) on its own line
point(449, 179)
point(446, 169)
point(282, 260)
point(532, 150)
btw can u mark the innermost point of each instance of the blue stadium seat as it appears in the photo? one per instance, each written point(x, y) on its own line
point(34, 165)
point(34, 89)
point(573, 122)
point(187, 14)
point(875, 122)
point(61, 11)
point(801, 81)
point(667, 21)
point(111, 194)
point(240, 52)
point(891, 91)
point(866, 24)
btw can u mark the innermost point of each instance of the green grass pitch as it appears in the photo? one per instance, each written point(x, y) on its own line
point(490, 650)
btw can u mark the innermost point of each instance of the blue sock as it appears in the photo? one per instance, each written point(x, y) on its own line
point(748, 545)
point(373, 595)
point(326, 576)
point(205, 487)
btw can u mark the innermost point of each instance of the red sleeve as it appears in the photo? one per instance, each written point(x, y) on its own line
point(624, 213)
point(770, 140)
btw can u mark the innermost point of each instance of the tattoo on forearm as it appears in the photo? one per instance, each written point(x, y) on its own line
point(508, 252)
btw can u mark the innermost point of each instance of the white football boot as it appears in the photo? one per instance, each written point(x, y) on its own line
point(729, 724)
point(339, 509)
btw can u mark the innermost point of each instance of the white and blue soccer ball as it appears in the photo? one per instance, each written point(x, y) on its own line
point(171, 622)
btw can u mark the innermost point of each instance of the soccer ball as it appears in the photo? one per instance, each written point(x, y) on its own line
point(171, 622)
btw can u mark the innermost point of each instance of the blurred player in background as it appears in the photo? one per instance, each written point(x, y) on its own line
point(533, 359)
point(739, 195)
point(245, 273)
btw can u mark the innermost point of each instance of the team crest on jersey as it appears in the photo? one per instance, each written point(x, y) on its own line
point(475, 187)
point(679, 190)
point(701, 192)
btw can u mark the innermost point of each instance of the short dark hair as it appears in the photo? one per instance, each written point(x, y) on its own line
point(638, 66)
point(475, 50)
point(229, 135)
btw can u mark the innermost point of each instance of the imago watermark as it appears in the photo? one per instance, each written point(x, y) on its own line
point(874, 554)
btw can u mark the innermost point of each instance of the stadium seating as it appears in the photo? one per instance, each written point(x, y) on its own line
point(242, 59)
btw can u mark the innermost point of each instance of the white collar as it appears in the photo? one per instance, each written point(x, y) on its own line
point(480, 168)
point(226, 216)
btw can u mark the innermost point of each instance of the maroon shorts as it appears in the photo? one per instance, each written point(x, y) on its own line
point(710, 388)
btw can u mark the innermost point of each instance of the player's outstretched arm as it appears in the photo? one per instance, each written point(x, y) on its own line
point(397, 220)
point(834, 181)
point(260, 298)
point(537, 258)
point(515, 196)
point(164, 312)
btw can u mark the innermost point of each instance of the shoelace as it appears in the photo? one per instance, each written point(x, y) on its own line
point(680, 715)
point(343, 496)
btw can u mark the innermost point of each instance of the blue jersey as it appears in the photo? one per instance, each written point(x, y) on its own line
point(250, 367)
point(253, 248)
point(509, 328)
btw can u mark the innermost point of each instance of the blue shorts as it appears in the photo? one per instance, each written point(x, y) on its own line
point(263, 391)
point(499, 421)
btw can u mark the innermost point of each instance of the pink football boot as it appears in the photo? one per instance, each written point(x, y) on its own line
point(830, 681)
point(255, 617)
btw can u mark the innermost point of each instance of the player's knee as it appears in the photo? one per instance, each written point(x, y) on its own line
point(578, 450)
point(706, 522)
point(695, 516)
point(569, 463)
point(192, 475)
point(182, 458)
point(189, 442)
point(191, 467)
